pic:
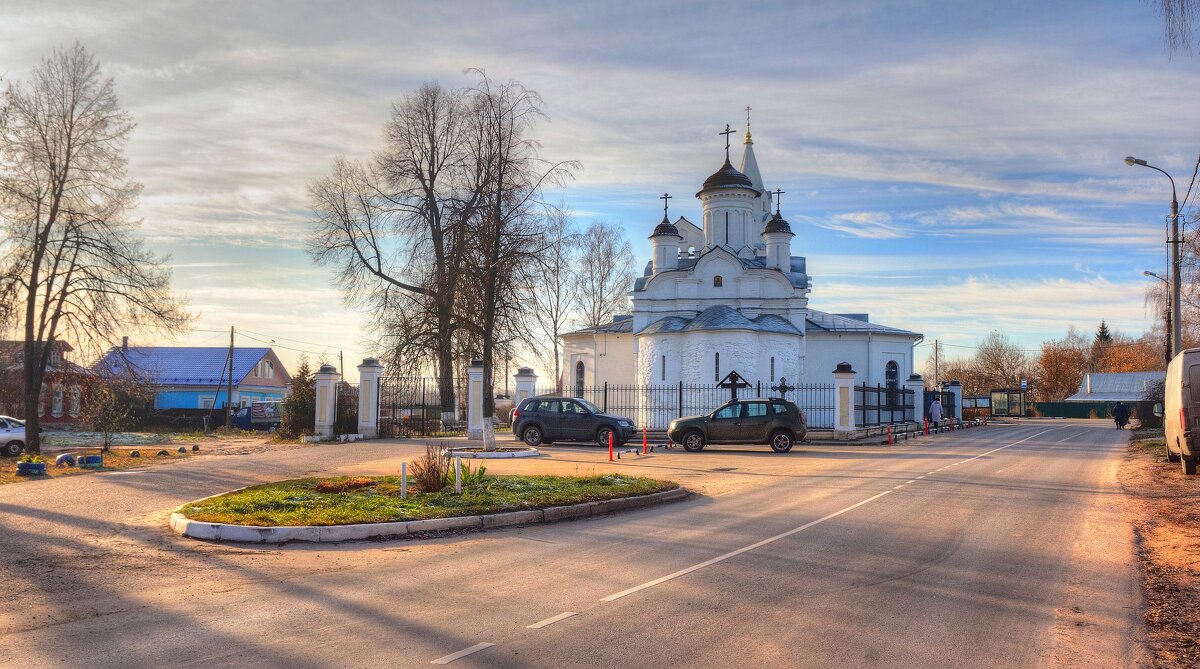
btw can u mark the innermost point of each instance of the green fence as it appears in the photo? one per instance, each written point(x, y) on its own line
point(1143, 411)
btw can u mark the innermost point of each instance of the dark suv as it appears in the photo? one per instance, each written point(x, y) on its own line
point(773, 421)
point(545, 420)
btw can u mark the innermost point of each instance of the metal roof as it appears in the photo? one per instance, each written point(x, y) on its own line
point(826, 322)
point(722, 318)
point(728, 177)
point(1116, 386)
point(183, 365)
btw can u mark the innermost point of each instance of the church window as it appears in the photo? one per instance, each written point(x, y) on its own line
point(691, 251)
point(718, 281)
point(772, 368)
point(717, 367)
point(664, 368)
point(579, 379)
point(892, 377)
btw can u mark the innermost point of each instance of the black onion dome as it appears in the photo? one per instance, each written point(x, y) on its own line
point(728, 177)
point(666, 229)
point(777, 224)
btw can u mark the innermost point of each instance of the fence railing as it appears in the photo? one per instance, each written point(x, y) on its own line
point(655, 406)
point(346, 414)
point(881, 405)
point(411, 406)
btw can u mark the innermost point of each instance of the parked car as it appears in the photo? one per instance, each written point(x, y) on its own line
point(1181, 409)
point(545, 420)
point(12, 436)
point(773, 421)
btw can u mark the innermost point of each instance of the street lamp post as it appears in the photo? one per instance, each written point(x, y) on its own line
point(1176, 301)
point(1166, 315)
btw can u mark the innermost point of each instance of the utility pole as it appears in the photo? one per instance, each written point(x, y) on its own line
point(937, 377)
point(229, 390)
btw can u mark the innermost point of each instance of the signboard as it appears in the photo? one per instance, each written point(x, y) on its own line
point(1024, 384)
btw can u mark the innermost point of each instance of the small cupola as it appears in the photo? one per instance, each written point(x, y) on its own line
point(664, 242)
point(778, 238)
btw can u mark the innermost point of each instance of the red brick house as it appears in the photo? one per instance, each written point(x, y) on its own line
point(63, 388)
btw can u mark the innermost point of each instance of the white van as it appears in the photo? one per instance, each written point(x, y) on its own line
point(1181, 409)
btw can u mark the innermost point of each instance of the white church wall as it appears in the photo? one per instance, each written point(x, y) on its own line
point(868, 355)
point(605, 357)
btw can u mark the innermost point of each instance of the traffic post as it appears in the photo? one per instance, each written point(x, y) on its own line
point(610, 446)
point(645, 442)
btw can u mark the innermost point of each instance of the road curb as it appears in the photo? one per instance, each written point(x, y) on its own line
point(195, 529)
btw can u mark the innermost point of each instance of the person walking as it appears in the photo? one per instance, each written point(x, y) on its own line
point(935, 411)
point(1120, 414)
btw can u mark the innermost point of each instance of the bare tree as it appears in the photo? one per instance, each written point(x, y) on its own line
point(506, 227)
point(1178, 17)
point(71, 260)
point(606, 273)
point(551, 293)
point(999, 362)
point(394, 230)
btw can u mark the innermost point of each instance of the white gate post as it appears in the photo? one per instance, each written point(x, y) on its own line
point(368, 397)
point(525, 385)
point(843, 401)
point(326, 389)
point(955, 388)
point(916, 384)
point(475, 400)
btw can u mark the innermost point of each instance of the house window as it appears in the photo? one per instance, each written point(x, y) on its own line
point(76, 401)
point(42, 402)
point(56, 409)
point(892, 377)
point(718, 281)
point(579, 379)
point(265, 369)
point(664, 368)
point(717, 367)
point(206, 401)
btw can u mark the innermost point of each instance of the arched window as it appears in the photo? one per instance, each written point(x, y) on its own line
point(717, 367)
point(691, 251)
point(718, 281)
point(892, 377)
point(579, 379)
point(76, 401)
point(56, 409)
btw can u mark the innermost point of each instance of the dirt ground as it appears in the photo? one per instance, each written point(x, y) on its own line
point(119, 457)
point(1164, 506)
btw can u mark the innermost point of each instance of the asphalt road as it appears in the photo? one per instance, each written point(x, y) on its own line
point(997, 547)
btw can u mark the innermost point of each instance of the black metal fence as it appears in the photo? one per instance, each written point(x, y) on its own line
point(346, 409)
point(881, 405)
point(655, 406)
point(948, 403)
point(411, 406)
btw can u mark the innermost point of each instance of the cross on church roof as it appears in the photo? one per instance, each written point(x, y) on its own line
point(727, 133)
point(747, 122)
point(778, 199)
point(664, 198)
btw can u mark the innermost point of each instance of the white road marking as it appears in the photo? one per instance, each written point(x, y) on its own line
point(920, 477)
point(447, 659)
point(550, 621)
point(726, 556)
point(721, 558)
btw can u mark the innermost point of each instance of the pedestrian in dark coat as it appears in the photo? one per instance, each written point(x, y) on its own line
point(1120, 414)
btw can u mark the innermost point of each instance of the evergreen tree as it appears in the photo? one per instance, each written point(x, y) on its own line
point(300, 407)
point(1103, 336)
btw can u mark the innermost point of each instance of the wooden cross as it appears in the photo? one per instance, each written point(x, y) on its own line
point(733, 381)
point(778, 199)
point(727, 133)
point(782, 387)
point(664, 198)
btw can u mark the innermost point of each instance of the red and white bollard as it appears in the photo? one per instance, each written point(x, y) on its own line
point(645, 443)
point(610, 446)
point(890, 442)
point(927, 426)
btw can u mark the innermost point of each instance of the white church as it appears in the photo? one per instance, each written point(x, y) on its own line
point(728, 295)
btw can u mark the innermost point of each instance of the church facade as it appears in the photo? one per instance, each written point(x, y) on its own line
point(728, 295)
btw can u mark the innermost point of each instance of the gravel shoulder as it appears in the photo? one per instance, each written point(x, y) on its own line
point(1164, 507)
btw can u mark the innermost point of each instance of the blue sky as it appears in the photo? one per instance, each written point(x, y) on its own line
point(950, 168)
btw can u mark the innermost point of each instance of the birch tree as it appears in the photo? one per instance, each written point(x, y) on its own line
point(72, 264)
point(552, 291)
point(606, 274)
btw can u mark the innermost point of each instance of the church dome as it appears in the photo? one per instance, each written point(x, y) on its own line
point(727, 177)
point(777, 224)
point(666, 229)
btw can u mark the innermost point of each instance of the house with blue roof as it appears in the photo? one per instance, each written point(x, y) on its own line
point(195, 377)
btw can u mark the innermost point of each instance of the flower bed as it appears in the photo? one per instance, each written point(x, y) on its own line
point(351, 500)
